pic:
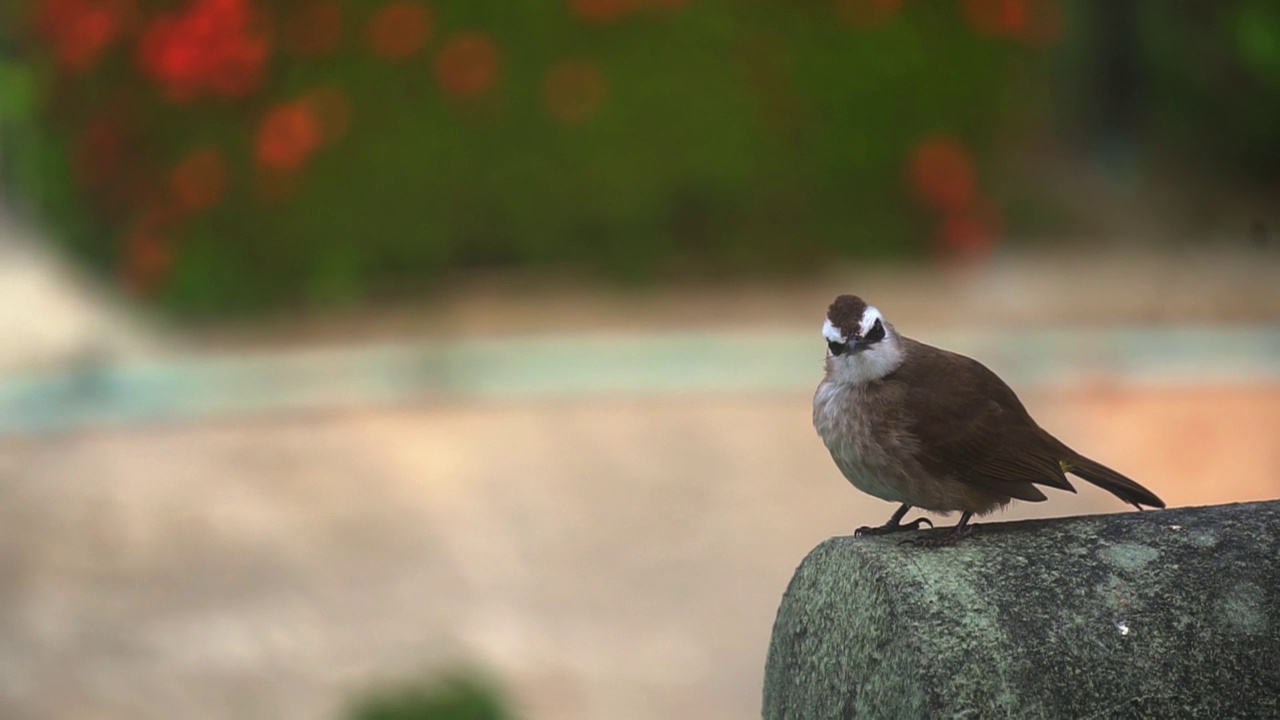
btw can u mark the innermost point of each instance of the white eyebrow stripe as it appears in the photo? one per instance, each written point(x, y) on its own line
point(830, 332)
point(869, 318)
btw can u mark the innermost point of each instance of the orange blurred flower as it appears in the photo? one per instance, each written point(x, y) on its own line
point(1039, 22)
point(574, 91)
point(864, 13)
point(997, 17)
point(600, 11)
point(467, 65)
point(398, 30)
point(970, 233)
point(942, 174)
point(200, 180)
point(961, 237)
point(314, 28)
point(287, 136)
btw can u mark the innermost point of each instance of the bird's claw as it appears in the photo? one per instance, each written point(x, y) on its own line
point(896, 527)
point(950, 538)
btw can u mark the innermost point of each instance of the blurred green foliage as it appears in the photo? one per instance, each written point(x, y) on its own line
point(708, 136)
point(723, 137)
point(1205, 81)
point(632, 138)
point(1216, 82)
point(460, 696)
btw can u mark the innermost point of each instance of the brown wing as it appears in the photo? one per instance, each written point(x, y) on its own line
point(972, 427)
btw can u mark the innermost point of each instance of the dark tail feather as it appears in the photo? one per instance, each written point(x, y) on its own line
point(1113, 482)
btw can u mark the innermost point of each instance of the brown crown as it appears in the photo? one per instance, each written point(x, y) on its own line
point(846, 314)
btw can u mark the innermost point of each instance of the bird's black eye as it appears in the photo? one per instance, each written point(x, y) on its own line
point(875, 334)
point(837, 349)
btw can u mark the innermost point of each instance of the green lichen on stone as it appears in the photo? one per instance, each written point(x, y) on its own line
point(1244, 609)
point(1130, 556)
point(1203, 538)
point(1128, 615)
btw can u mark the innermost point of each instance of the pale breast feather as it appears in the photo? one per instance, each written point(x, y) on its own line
point(864, 434)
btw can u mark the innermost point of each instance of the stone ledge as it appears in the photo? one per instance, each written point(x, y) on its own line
point(1172, 613)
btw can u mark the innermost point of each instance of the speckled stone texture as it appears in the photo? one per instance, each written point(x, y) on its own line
point(1158, 614)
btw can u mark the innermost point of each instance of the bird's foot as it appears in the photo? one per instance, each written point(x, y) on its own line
point(934, 540)
point(888, 528)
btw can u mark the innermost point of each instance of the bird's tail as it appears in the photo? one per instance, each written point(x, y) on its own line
point(1112, 481)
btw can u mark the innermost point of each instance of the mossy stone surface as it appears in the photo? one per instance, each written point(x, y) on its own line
point(1158, 614)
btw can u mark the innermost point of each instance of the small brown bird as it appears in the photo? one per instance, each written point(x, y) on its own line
point(917, 425)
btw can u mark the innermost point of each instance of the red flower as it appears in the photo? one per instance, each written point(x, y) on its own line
point(399, 30)
point(214, 47)
point(237, 70)
point(287, 136)
point(574, 91)
point(1035, 21)
point(80, 30)
point(942, 173)
point(467, 65)
point(199, 181)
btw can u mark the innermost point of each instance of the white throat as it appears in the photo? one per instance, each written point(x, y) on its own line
point(868, 365)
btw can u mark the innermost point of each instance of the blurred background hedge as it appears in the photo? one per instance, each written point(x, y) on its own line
point(227, 156)
point(458, 695)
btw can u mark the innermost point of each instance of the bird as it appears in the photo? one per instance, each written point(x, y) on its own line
point(932, 429)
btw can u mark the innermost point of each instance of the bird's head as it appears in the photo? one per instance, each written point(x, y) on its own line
point(861, 345)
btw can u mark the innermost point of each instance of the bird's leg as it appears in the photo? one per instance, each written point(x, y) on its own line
point(894, 525)
point(961, 531)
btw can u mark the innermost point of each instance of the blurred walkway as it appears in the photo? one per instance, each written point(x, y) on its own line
point(608, 558)
point(611, 554)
